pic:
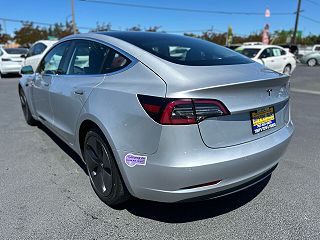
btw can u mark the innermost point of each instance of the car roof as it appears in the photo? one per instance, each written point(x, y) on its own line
point(259, 46)
point(46, 42)
point(141, 36)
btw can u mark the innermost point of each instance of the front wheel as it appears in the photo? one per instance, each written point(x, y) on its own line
point(312, 62)
point(102, 169)
point(25, 108)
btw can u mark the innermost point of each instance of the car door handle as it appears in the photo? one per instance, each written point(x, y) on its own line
point(78, 91)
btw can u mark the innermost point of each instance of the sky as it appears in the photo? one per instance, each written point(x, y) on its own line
point(87, 14)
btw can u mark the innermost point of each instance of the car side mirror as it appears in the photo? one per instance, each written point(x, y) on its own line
point(27, 70)
point(23, 56)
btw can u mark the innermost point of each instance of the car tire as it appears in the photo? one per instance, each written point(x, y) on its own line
point(102, 169)
point(287, 69)
point(312, 62)
point(25, 108)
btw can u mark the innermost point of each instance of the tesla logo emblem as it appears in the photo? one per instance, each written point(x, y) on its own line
point(269, 91)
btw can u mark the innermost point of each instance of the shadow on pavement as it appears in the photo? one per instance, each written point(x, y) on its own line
point(188, 212)
point(175, 212)
point(64, 147)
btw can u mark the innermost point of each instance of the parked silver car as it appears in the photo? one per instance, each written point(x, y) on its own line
point(312, 59)
point(159, 125)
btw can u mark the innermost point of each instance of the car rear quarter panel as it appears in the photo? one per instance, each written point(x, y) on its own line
point(125, 123)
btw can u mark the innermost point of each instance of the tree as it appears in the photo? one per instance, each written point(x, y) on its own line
point(29, 34)
point(4, 38)
point(60, 31)
point(134, 29)
point(153, 29)
point(103, 27)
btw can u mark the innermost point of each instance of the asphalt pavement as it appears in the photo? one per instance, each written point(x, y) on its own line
point(45, 192)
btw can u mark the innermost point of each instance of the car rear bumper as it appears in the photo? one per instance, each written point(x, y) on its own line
point(11, 68)
point(170, 174)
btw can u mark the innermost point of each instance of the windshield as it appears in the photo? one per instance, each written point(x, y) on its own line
point(16, 50)
point(248, 52)
point(182, 50)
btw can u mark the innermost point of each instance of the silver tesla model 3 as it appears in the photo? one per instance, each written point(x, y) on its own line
point(158, 116)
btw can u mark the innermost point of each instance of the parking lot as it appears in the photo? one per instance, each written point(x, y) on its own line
point(46, 194)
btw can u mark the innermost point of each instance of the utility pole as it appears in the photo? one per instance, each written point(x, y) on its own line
point(73, 18)
point(293, 39)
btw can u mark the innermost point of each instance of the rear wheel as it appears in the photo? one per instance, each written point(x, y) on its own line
point(312, 62)
point(25, 108)
point(287, 69)
point(102, 169)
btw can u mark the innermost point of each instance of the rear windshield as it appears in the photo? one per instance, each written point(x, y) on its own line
point(16, 50)
point(183, 50)
point(248, 52)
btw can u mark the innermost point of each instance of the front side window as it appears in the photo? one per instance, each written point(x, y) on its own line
point(31, 51)
point(266, 53)
point(52, 62)
point(39, 48)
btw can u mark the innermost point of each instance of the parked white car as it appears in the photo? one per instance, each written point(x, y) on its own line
point(11, 60)
point(37, 51)
point(273, 57)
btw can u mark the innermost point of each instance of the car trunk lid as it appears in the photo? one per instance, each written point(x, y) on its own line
point(242, 88)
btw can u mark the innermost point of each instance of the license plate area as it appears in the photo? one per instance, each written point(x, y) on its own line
point(262, 119)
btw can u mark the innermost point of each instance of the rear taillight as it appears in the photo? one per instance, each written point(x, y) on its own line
point(168, 111)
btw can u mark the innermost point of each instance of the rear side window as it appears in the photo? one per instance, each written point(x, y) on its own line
point(183, 50)
point(114, 62)
point(276, 52)
point(18, 51)
point(94, 58)
point(283, 52)
point(36, 49)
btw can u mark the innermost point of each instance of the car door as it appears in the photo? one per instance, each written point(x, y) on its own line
point(69, 91)
point(48, 68)
point(279, 60)
point(268, 59)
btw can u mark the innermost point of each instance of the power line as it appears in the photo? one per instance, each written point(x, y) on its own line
point(313, 2)
point(310, 19)
point(181, 9)
point(39, 23)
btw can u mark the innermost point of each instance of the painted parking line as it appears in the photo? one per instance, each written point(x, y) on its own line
point(304, 91)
